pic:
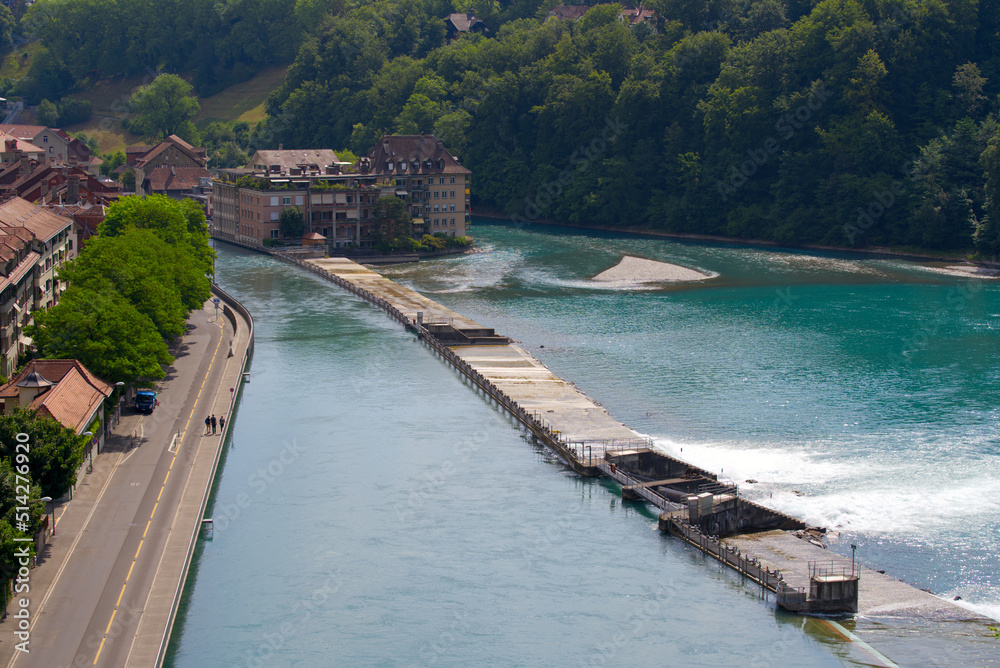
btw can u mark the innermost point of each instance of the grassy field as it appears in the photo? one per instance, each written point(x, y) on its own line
point(241, 102)
point(17, 63)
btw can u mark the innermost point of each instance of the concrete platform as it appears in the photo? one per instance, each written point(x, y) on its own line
point(878, 594)
point(523, 378)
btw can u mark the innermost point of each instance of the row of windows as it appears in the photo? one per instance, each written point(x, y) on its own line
point(419, 183)
point(444, 194)
point(299, 199)
point(442, 208)
point(444, 222)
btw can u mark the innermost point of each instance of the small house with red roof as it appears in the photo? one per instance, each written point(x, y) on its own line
point(64, 390)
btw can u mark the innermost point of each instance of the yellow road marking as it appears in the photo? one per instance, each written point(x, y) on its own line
point(155, 504)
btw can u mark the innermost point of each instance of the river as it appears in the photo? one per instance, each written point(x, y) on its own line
point(372, 510)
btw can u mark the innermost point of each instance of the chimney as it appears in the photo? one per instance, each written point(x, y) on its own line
point(25, 166)
point(73, 189)
point(45, 188)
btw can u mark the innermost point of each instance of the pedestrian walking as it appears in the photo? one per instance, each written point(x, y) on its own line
point(222, 423)
point(208, 424)
point(213, 424)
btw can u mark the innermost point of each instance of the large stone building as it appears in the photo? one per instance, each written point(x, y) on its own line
point(337, 198)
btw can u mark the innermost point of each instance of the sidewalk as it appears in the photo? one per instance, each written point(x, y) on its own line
point(77, 585)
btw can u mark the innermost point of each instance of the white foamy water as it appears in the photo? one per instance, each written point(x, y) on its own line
point(893, 494)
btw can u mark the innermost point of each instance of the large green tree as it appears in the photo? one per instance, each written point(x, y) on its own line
point(99, 327)
point(150, 273)
point(180, 224)
point(56, 454)
point(164, 106)
point(291, 224)
point(390, 221)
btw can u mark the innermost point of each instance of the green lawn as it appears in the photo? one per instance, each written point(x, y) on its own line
point(240, 102)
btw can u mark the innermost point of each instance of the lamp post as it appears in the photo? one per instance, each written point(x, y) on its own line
point(90, 450)
point(853, 548)
point(47, 500)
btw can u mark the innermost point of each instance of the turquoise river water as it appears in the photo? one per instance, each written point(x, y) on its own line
point(372, 510)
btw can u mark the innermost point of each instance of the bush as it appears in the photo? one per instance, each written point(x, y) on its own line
point(433, 243)
point(74, 110)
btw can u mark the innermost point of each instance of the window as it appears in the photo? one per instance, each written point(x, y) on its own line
point(441, 180)
point(453, 222)
point(45, 140)
point(452, 207)
point(274, 216)
point(452, 180)
point(274, 201)
point(453, 194)
point(258, 198)
point(436, 208)
point(436, 194)
point(274, 234)
point(300, 200)
point(285, 201)
point(350, 199)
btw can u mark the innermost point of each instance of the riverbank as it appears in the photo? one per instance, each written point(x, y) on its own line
point(680, 236)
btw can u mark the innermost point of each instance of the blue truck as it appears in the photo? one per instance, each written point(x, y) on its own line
point(145, 401)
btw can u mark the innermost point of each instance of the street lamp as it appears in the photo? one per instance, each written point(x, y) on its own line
point(48, 499)
point(853, 548)
point(90, 451)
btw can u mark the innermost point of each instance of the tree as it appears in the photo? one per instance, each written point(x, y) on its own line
point(74, 110)
point(141, 267)
point(391, 221)
point(113, 161)
point(180, 224)
point(56, 454)
point(7, 25)
point(163, 106)
point(47, 114)
point(968, 83)
point(105, 332)
point(291, 224)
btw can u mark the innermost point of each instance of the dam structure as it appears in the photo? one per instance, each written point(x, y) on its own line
point(764, 546)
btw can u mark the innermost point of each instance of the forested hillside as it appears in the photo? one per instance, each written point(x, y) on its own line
point(846, 122)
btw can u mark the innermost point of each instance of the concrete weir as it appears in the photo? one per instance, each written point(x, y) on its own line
point(705, 512)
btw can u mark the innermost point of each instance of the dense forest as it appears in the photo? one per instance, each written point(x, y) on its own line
point(843, 122)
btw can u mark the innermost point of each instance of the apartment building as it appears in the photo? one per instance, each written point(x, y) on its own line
point(247, 202)
point(428, 177)
point(337, 198)
point(34, 243)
